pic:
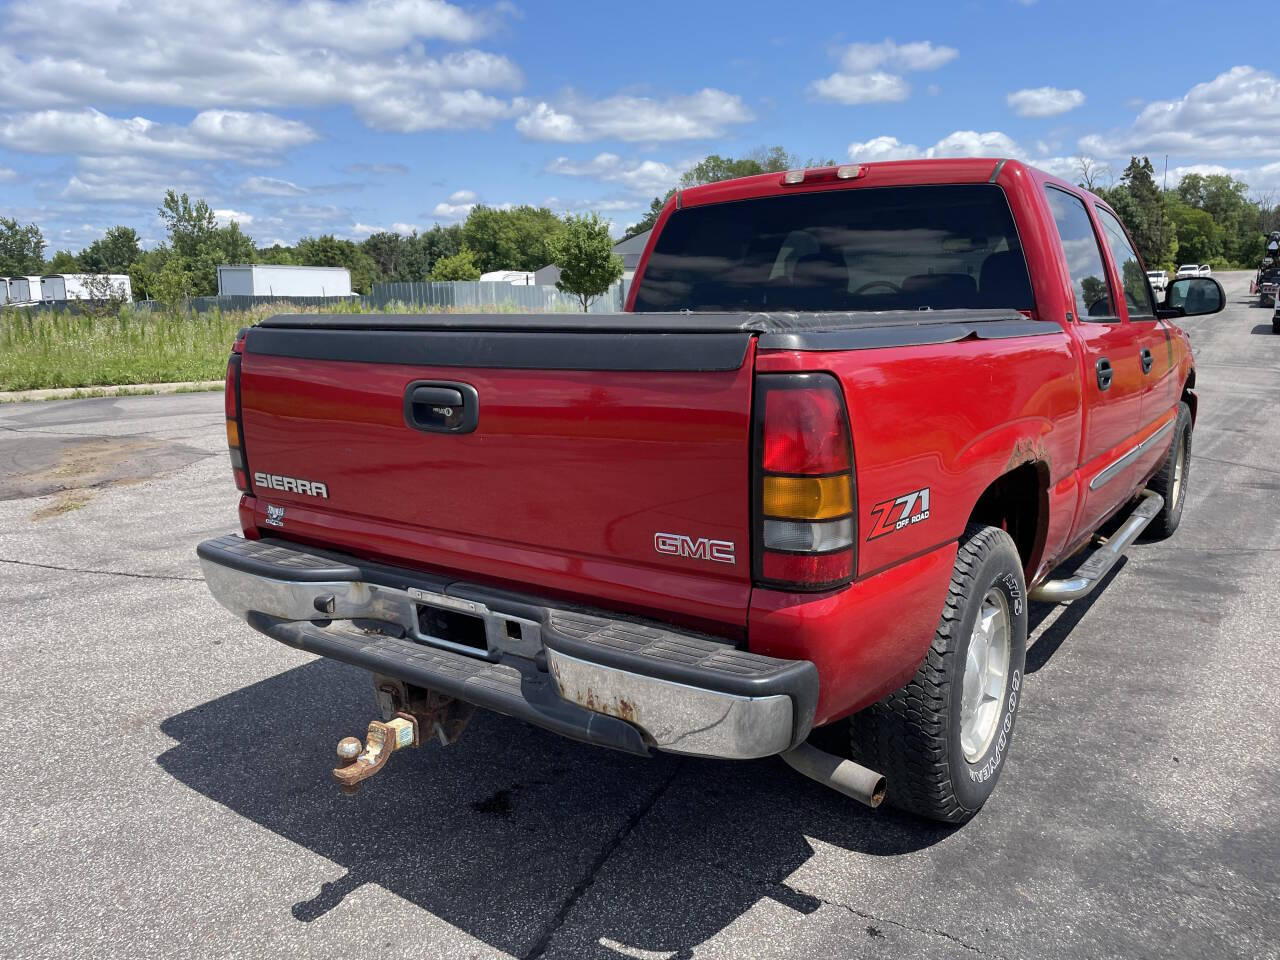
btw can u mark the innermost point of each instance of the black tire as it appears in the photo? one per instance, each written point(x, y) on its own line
point(1175, 494)
point(1275, 324)
point(913, 735)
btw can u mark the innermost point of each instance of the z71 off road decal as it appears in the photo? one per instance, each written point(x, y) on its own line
point(888, 516)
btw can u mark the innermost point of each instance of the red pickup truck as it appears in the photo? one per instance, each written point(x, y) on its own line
point(853, 420)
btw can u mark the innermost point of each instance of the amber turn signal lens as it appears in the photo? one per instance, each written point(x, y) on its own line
point(807, 498)
point(233, 434)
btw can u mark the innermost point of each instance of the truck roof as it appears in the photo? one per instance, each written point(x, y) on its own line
point(884, 173)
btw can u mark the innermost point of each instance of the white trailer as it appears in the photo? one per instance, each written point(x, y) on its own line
point(20, 290)
point(270, 280)
point(4, 290)
point(517, 278)
point(86, 286)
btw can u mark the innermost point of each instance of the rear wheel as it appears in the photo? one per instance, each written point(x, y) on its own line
point(1275, 324)
point(942, 739)
point(1171, 481)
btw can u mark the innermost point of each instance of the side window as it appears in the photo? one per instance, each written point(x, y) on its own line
point(1084, 258)
point(1137, 296)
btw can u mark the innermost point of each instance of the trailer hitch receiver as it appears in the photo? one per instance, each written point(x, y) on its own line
point(358, 761)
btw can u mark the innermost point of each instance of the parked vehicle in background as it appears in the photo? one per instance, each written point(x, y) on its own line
point(1159, 280)
point(1267, 284)
point(1188, 270)
point(58, 287)
point(852, 421)
point(4, 291)
point(1204, 271)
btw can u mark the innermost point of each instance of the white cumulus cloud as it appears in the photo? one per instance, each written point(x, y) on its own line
point(369, 55)
point(872, 72)
point(211, 135)
point(1044, 101)
point(961, 143)
point(573, 119)
point(644, 177)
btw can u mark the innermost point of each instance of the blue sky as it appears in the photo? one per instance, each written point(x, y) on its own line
point(300, 117)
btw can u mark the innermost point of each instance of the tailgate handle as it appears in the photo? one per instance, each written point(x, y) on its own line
point(441, 406)
point(437, 397)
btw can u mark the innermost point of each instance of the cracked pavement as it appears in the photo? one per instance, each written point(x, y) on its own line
point(170, 796)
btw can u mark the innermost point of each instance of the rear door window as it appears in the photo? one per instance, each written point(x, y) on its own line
point(888, 248)
point(1084, 257)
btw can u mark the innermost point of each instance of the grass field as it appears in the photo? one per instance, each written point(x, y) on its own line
point(40, 349)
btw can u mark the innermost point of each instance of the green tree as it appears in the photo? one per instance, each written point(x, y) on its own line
point(21, 248)
point(144, 272)
point(190, 225)
point(516, 239)
point(329, 251)
point(440, 242)
point(1199, 236)
point(224, 245)
point(172, 285)
point(114, 252)
point(650, 219)
point(584, 253)
point(276, 254)
point(400, 259)
point(1141, 207)
point(64, 261)
point(460, 266)
point(1226, 200)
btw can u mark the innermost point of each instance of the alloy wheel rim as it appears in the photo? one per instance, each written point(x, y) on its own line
point(1179, 464)
point(986, 674)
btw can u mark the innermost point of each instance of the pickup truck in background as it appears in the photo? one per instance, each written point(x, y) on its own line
point(1159, 280)
point(853, 420)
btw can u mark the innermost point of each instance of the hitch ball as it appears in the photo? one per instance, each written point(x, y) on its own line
point(358, 762)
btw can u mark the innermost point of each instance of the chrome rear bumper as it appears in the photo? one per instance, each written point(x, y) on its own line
point(631, 686)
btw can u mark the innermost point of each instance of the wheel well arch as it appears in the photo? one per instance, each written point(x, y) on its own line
point(1018, 503)
point(1188, 395)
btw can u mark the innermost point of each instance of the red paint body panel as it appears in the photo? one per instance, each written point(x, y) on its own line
point(561, 490)
point(867, 639)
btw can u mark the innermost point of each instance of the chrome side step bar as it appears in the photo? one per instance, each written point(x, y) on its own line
point(1090, 573)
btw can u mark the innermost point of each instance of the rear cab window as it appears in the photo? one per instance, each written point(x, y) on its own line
point(1085, 263)
point(951, 246)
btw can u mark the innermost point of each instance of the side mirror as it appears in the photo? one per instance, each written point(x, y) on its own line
point(1193, 297)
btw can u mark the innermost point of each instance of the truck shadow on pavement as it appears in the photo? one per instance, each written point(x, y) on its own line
point(517, 837)
point(1043, 647)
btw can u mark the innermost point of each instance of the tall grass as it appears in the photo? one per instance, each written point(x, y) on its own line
point(40, 348)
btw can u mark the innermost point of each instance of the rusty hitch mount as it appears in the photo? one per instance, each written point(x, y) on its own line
point(360, 761)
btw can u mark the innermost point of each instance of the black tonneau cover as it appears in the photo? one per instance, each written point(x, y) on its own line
point(616, 341)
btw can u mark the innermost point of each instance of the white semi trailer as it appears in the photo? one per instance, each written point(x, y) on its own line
point(86, 286)
point(271, 280)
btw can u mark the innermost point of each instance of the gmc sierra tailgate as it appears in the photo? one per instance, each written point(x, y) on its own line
point(605, 458)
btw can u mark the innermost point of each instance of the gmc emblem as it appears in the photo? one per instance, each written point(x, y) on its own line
point(679, 545)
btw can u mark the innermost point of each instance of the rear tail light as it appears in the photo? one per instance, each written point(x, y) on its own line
point(235, 423)
point(804, 490)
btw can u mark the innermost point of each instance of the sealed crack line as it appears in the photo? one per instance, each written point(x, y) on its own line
point(774, 883)
point(582, 886)
point(105, 573)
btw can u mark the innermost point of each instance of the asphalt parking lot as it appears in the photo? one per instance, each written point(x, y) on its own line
point(168, 791)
